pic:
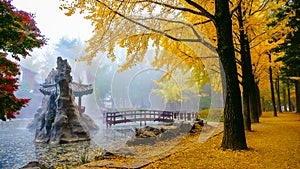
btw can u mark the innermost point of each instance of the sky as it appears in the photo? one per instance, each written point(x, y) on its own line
point(53, 23)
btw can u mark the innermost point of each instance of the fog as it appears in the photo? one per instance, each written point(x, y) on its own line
point(134, 88)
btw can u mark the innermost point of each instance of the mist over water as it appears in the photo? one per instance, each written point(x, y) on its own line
point(113, 90)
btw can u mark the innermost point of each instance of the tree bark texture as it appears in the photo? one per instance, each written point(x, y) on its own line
point(297, 90)
point(246, 72)
point(277, 87)
point(284, 99)
point(263, 104)
point(289, 96)
point(272, 86)
point(255, 104)
point(234, 134)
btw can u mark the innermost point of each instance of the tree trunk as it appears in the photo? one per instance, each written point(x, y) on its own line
point(284, 99)
point(289, 96)
point(297, 90)
point(272, 86)
point(255, 105)
point(259, 102)
point(246, 72)
point(277, 87)
point(263, 104)
point(234, 134)
point(251, 103)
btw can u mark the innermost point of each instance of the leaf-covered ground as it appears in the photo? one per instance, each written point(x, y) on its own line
point(274, 143)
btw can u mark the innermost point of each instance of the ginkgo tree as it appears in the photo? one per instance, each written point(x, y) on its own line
point(264, 37)
point(18, 36)
point(290, 47)
point(137, 24)
point(251, 32)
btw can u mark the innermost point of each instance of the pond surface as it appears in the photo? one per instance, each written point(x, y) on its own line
point(17, 147)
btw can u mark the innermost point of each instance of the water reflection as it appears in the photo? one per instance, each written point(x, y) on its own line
point(17, 147)
point(16, 144)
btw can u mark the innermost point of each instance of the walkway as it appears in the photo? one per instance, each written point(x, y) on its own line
point(274, 143)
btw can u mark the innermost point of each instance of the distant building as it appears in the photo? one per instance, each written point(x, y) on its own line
point(27, 79)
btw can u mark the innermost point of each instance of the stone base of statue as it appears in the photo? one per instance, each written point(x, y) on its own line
point(68, 125)
point(59, 120)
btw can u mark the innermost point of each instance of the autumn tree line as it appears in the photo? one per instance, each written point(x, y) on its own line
point(253, 43)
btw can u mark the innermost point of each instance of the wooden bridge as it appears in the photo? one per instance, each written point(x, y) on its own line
point(116, 117)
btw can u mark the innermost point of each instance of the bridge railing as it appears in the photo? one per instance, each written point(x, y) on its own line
point(116, 117)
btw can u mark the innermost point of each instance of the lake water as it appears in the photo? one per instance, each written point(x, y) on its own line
point(17, 147)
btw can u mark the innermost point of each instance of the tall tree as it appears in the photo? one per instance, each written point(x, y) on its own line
point(18, 36)
point(272, 86)
point(234, 136)
point(289, 95)
point(246, 69)
point(119, 22)
point(284, 99)
point(291, 58)
point(277, 89)
point(249, 35)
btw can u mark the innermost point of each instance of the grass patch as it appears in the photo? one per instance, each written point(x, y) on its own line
point(83, 158)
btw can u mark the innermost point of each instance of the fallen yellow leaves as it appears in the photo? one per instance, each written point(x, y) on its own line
point(274, 143)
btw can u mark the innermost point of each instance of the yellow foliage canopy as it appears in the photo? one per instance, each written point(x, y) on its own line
point(179, 41)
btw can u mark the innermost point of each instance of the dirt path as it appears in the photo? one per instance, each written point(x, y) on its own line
point(274, 143)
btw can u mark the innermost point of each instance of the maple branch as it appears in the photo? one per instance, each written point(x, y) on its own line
point(199, 39)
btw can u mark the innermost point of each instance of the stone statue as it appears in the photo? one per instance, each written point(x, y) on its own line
point(59, 120)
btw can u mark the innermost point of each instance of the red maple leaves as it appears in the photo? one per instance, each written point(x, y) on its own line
point(18, 36)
